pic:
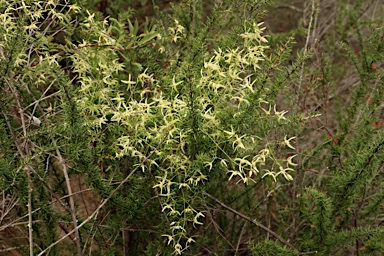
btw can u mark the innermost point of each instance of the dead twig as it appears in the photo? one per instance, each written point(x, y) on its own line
point(252, 221)
point(71, 200)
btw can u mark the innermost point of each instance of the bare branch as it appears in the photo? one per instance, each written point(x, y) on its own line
point(71, 200)
point(252, 221)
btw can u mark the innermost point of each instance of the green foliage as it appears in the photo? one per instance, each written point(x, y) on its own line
point(270, 248)
point(115, 129)
point(321, 218)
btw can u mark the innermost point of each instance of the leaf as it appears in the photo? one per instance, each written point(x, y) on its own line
point(133, 29)
point(147, 37)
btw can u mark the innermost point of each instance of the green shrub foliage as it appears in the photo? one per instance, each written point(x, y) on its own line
point(126, 136)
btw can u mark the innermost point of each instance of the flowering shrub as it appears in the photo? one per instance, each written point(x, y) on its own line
point(178, 122)
point(116, 135)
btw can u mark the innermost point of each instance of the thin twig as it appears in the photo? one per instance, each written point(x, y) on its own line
point(308, 253)
point(41, 99)
point(71, 200)
point(239, 240)
point(7, 205)
point(221, 232)
point(252, 221)
point(11, 130)
point(193, 18)
point(306, 47)
point(268, 195)
point(11, 249)
point(292, 7)
point(24, 155)
point(296, 177)
point(30, 217)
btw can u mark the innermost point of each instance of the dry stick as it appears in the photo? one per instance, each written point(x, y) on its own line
point(268, 195)
point(71, 200)
point(292, 7)
point(10, 129)
point(306, 45)
point(41, 99)
point(193, 18)
point(24, 156)
point(239, 240)
point(30, 219)
point(107, 199)
point(252, 221)
point(315, 13)
point(92, 237)
point(295, 180)
point(11, 249)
